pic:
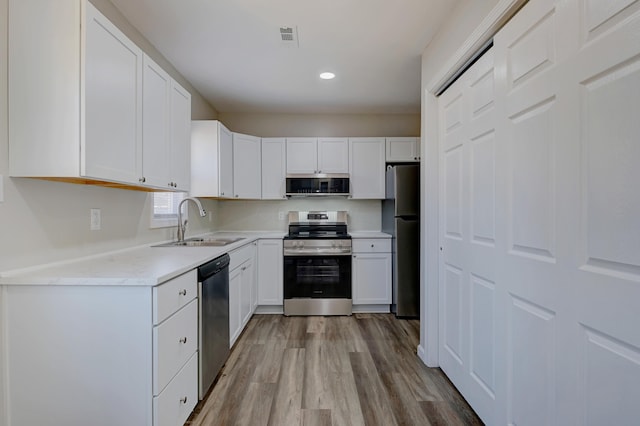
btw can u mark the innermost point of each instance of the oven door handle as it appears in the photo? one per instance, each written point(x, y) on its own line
point(311, 252)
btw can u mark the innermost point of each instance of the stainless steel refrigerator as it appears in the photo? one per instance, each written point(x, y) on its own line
point(401, 219)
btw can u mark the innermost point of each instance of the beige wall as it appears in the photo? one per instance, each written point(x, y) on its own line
point(364, 215)
point(330, 125)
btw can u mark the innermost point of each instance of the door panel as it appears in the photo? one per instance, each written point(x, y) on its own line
point(468, 236)
point(540, 225)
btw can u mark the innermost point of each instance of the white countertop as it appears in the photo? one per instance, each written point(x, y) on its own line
point(369, 234)
point(138, 266)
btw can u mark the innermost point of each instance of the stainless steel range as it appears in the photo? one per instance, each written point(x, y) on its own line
point(317, 264)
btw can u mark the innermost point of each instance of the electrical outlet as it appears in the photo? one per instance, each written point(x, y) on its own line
point(96, 220)
point(280, 215)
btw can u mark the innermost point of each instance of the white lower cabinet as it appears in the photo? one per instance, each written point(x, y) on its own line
point(176, 402)
point(270, 272)
point(242, 289)
point(371, 271)
point(101, 355)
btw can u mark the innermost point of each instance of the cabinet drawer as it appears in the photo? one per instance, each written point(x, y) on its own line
point(372, 245)
point(174, 341)
point(173, 295)
point(241, 255)
point(174, 405)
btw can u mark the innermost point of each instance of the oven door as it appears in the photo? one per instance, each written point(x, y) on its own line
point(317, 276)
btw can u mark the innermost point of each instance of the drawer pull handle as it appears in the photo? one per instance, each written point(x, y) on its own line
point(372, 245)
point(183, 292)
point(183, 340)
point(183, 400)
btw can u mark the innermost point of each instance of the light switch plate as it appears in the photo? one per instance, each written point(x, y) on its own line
point(96, 220)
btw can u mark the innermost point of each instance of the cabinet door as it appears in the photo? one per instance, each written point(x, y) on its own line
point(274, 168)
point(371, 274)
point(302, 155)
point(225, 161)
point(270, 272)
point(247, 175)
point(112, 143)
point(180, 160)
point(333, 155)
point(403, 149)
point(367, 168)
point(246, 288)
point(156, 86)
point(235, 320)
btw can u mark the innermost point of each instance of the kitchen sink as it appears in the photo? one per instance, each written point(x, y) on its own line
point(201, 242)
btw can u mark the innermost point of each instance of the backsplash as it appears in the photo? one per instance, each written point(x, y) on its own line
point(364, 215)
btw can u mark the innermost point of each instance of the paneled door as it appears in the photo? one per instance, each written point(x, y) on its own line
point(468, 236)
point(554, 289)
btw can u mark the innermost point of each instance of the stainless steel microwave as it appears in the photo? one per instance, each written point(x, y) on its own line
point(314, 185)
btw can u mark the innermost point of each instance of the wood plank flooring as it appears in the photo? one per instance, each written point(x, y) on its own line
point(330, 371)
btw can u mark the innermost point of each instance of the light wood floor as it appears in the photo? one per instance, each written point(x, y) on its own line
point(358, 370)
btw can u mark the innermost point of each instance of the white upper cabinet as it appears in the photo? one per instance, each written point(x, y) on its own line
point(405, 149)
point(166, 130)
point(247, 176)
point(156, 91)
point(302, 155)
point(367, 168)
point(274, 168)
point(112, 102)
point(180, 143)
point(317, 155)
point(211, 159)
point(77, 99)
point(333, 155)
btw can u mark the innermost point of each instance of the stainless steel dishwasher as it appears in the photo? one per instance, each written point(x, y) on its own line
point(213, 301)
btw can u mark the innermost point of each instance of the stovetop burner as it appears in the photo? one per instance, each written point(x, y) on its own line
point(318, 225)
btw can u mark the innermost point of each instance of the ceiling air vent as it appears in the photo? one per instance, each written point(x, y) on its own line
point(289, 36)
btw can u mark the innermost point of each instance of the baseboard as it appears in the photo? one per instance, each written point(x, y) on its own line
point(269, 309)
point(371, 309)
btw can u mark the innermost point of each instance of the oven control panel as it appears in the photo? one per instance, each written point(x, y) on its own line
point(317, 247)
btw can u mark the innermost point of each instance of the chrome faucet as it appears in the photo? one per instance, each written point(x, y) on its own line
point(182, 226)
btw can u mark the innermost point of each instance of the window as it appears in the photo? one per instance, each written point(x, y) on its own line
point(164, 208)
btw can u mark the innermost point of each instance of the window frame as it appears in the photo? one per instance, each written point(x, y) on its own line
point(156, 221)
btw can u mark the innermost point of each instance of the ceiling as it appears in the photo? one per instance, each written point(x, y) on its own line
point(232, 52)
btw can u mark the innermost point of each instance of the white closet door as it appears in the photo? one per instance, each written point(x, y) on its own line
point(468, 236)
point(603, 208)
point(555, 293)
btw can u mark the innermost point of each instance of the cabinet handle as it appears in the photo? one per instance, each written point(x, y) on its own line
point(142, 179)
point(237, 195)
point(183, 340)
point(183, 292)
point(372, 245)
point(354, 256)
point(183, 400)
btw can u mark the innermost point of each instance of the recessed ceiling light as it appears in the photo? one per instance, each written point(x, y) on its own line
point(327, 75)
